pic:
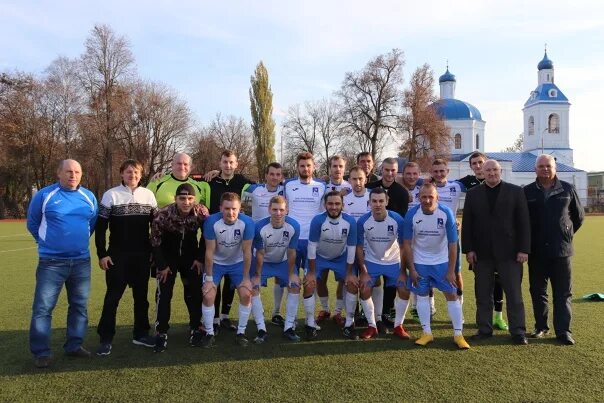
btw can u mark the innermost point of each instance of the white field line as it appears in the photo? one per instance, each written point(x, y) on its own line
point(8, 236)
point(17, 250)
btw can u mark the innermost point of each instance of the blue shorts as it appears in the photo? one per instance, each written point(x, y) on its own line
point(390, 272)
point(432, 276)
point(235, 271)
point(338, 266)
point(301, 252)
point(277, 270)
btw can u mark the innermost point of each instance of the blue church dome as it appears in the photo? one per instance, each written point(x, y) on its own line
point(447, 77)
point(454, 109)
point(545, 63)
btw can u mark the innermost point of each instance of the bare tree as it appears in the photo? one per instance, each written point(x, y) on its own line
point(424, 134)
point(371, 99)
point(106, 65)
point(517, 146)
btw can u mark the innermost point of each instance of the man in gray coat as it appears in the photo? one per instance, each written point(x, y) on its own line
point(495, 237)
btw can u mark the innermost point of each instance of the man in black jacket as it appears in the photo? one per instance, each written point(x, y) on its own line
point(556, 214)
point(495, 236)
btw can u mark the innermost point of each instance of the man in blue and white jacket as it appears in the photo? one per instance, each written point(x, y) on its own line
point(61, 218)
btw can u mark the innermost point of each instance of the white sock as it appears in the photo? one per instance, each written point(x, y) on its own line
point(432, 307)
point(208, 318)
point(258, 312)
point(351, 304)
point(278, 297)
point(324, 303)
point(423, 311)
point(244, 315)
point(400, 307)
point(413, 301)
point(377, 295)
point(339, 306)
point(369, 310)
point(291, 309)
point(456, 316)
point(309, 308)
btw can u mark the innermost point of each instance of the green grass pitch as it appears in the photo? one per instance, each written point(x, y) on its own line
point(330, 369)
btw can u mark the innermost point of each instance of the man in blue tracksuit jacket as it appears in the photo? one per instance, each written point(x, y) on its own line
point(61, 218)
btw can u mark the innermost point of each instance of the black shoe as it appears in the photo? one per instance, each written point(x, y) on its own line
point(350, 333)
point(241, 340)
point(481, 336)
point(278, 320)
point(81, 352)
point(262, 337)
point(291, 335)
point(196, 338)
point(382, 327)
point(227, 324)
point(208, 341)
point(539, 333)
point(103, 349)
point(311, 333)
point(520, 339)
point(42, 362)
point(161, 343)
point(389, 323)
point(146, 341)
point(566, 339)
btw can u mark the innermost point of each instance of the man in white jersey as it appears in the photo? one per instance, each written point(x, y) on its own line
point(337, 167)
point(257, 198)
point(331, 246)
point(449, 193)
point(430, 249)
point(275, 242)
point(228, 236)
point(379, 253)
point(304, 199)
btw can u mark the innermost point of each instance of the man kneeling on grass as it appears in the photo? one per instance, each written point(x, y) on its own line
point(430, 249)
point(228, 236)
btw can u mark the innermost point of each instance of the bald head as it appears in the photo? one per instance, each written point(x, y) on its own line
point(492, 172)
point(545, 168)
point(181, 166)
point(69, 174)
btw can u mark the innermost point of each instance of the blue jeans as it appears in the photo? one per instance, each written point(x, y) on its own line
point(51, 274)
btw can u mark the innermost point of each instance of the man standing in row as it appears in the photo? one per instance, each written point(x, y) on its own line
point(61, 218)
point(164, 188)
point(496, 238)
point(556, 215)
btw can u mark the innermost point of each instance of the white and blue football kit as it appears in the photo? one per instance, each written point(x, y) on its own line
point(275, 242)
point(449, 194)
point(381, 245)
point(332, 243)
point(304, 200)
point(228, 255)
point(357, 206)
point(430, 236)
point(344, 185)
point(260, 198)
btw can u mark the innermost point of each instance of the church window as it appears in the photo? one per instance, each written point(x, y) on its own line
point(458, 141)
point(553, 93)
point(553, 123)
point(477, 141)
point(531, 126)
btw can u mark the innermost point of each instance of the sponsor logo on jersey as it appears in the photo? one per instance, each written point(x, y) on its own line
point(391, 230)
point(222, 232)
point(453, 190)
point(315, 191)
point(285, 234)
point(237, 234)
point(440, 223)
point(418, 221)
point(345, 231)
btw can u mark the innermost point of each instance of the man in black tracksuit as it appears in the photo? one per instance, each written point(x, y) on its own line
point(176, 249)
point(226, 181)
point(556, 214)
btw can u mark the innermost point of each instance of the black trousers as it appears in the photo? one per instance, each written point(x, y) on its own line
point(497, 294)
point(558, 272)
point(226, 296)
point(191, 282)
point(132, 270)
point(510, 274)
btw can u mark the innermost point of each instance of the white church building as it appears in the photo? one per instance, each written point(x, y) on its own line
point(546, 130)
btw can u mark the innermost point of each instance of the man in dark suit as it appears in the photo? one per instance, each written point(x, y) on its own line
point(495, 237)
point(556, 214)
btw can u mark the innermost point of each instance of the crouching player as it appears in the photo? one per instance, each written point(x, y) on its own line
point(379, 250)
point(331, 246)
point(275, 246)
point(430, 248)
point(228, 236)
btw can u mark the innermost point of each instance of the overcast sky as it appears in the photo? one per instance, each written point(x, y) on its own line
point(207, 50)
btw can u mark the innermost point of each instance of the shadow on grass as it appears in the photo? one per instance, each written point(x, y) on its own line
point(18, 360)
